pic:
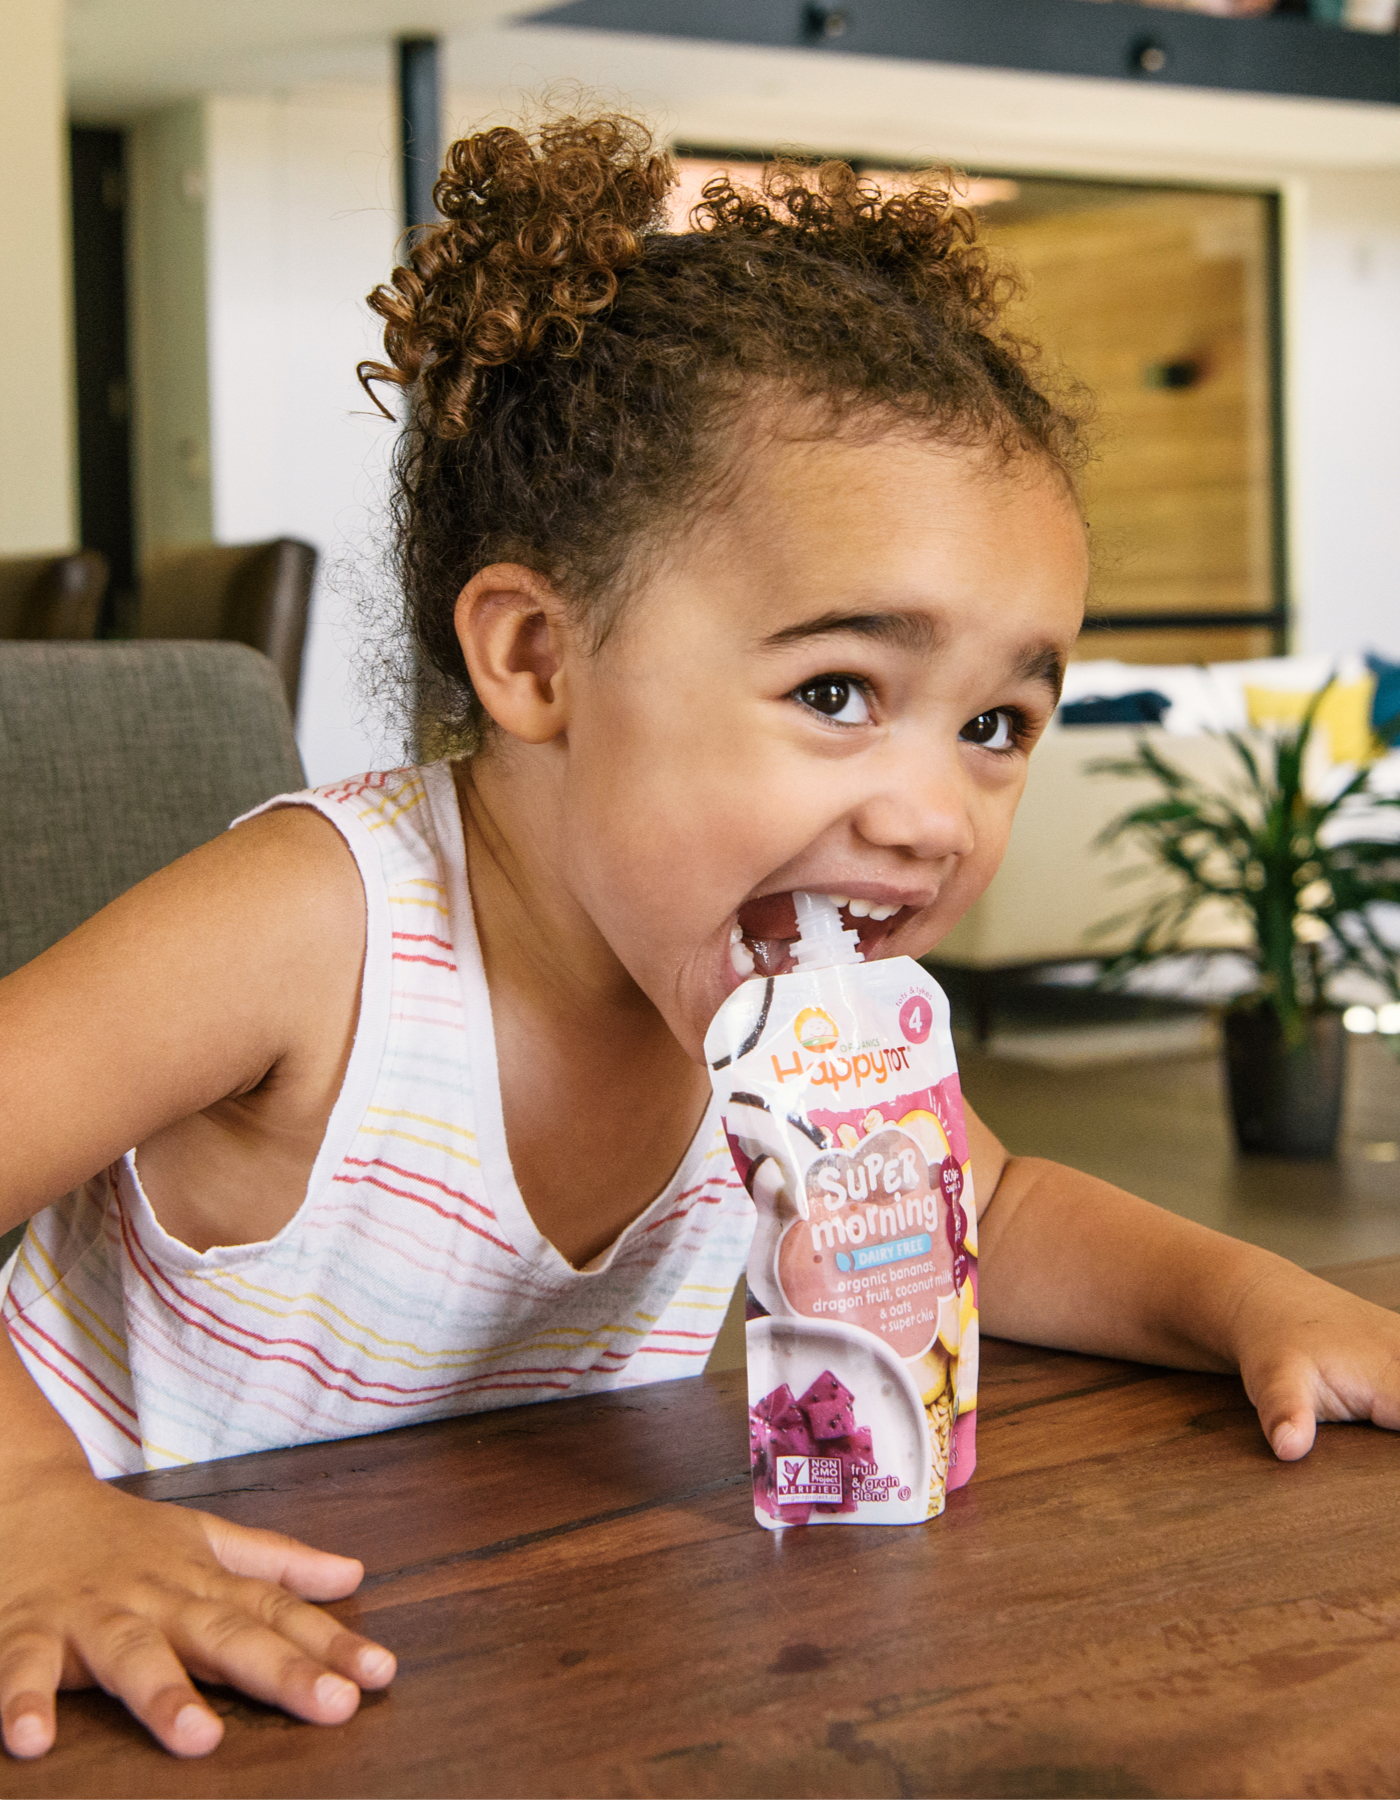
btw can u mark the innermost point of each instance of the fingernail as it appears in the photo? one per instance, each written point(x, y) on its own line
point(27, 1736)
point(376, 1664)
point(335, 1693)
point(195, 1722)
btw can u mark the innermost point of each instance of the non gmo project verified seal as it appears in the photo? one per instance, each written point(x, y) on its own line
point(808, 1478)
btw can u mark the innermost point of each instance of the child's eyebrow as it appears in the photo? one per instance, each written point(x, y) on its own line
point(917, 632)
point(1043, 665)
point(903, 630)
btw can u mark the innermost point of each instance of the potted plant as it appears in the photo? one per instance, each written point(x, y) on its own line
point(1300, 870)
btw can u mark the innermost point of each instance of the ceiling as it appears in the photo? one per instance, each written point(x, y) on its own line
point(130, 56)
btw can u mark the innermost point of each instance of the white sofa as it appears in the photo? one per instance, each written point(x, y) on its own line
point(1054, 884)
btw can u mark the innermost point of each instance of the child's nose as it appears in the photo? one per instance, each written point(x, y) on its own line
point(923, 809)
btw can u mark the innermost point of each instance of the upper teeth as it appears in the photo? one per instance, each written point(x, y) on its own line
point(742, 957)
point(866, 909)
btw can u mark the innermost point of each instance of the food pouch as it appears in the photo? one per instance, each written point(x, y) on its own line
point(839, 1090)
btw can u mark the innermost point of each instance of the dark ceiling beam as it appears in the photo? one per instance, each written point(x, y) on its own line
point(1277, 53)
point(420, 126)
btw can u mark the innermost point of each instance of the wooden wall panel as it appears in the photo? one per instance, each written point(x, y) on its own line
point(1180, 496)
point(1230, 644)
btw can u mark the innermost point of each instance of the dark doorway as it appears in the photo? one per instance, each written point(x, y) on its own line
point(103, 376)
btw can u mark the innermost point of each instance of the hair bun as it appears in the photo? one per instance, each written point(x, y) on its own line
point(920, 231)
point(534, 231)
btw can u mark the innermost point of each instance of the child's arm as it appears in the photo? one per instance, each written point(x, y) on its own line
point(229, 973)
point(1074, 1262)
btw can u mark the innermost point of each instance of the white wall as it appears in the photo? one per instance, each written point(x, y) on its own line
point(301, 223)
point(169, 341)
point(1345, 394)
point(37, 434)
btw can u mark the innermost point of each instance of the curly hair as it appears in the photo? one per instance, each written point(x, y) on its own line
point(573, 367)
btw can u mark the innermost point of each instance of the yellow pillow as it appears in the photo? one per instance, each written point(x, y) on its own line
point(1345, 715)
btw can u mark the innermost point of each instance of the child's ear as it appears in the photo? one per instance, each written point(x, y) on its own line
point(514, 632)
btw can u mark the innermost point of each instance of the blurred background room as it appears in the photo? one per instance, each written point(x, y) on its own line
point(1204, 202)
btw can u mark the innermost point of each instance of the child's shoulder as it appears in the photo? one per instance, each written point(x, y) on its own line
point(243, 957)
point(399, 825)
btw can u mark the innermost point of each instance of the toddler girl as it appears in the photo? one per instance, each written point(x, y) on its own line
point(737, 561)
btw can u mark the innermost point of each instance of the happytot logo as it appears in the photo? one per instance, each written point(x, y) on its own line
point(815, 1029)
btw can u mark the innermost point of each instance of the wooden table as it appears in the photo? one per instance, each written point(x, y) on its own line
point(1131, 1598)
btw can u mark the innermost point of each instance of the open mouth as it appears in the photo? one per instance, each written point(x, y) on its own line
point(761, 940)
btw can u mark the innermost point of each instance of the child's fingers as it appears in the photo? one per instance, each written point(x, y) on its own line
point(30, 1667)
point(1293, 1437)
point(269, 1556)
point(130, 1657)
point(286, 1569)
point(313, 1632)
point(227, 1643)
point(1287, 1409)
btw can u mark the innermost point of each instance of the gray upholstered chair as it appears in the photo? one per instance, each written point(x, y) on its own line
point(114, 760)
point(254, 594)
point(117, 758)
point(52, 596)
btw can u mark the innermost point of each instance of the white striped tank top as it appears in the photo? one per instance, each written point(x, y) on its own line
point(411, 1283)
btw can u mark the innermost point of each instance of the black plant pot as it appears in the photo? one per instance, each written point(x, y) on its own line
point(1286, 1100)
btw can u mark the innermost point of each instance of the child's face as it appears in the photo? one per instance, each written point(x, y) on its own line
point(833, 684)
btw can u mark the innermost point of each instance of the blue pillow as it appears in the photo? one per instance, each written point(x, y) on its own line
point(1385, 708)
point(1143, 707)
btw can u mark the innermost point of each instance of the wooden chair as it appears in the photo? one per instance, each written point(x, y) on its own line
point(50, 597)
point(254, 594)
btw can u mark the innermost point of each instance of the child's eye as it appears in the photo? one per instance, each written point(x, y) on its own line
point(836, 697)
point(992, 730)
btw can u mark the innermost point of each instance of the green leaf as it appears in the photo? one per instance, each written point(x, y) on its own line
point(1251, 850)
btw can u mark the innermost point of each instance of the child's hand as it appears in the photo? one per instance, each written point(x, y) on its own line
point(99, 1588)
point(1310, 1351)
